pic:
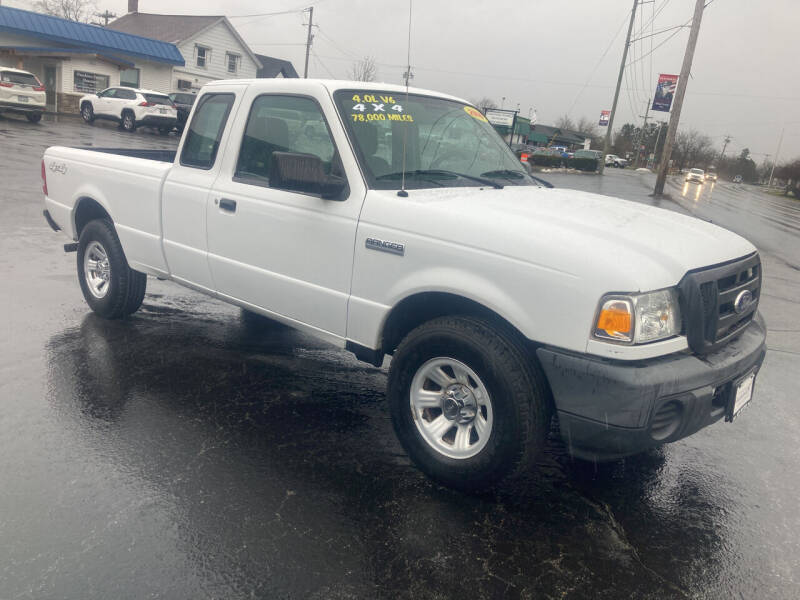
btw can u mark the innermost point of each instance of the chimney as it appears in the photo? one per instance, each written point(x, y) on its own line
point(133, 6)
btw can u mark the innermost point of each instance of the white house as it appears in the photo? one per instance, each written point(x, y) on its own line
point(210, 46)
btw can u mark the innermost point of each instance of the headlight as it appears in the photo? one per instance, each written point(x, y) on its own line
point(639, 318)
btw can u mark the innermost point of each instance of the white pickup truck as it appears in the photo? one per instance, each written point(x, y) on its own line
point(397, 222)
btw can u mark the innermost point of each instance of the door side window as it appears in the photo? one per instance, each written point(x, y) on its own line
point(109, 93)
point(202, 139)
point(126, 95)
point(283, 124)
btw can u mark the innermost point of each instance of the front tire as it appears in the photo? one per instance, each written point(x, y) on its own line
point(110, 287)
point(87, 113)
point(467, 402)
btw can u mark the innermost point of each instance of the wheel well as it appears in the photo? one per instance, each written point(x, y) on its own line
point(84, 103)
point(88, 210)
point(419, 308)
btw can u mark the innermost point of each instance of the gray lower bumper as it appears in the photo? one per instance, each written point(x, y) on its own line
point(608, 409)
point(21, 108)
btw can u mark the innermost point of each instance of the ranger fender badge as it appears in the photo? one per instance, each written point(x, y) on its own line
point(385, 246)
point(58, 167)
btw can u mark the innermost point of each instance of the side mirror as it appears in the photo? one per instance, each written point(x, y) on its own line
point(304, 173)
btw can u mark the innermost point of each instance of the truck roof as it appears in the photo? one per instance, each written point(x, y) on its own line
point(333, 85)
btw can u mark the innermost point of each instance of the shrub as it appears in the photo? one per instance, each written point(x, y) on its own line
point(545, 160)
point(582, 164)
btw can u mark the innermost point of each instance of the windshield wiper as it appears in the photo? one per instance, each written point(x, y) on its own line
point(482, 180)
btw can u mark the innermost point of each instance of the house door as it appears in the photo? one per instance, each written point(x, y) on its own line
point(50, 86)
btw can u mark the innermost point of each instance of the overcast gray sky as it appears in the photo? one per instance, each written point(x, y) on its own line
point(543, 54)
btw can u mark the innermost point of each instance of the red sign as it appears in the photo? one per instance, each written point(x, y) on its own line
point(665, 90)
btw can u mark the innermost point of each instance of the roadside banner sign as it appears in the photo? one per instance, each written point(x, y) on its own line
point(497, 116)
point(604, 116)
point(665, 90)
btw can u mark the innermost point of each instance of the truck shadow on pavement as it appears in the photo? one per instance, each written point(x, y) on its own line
point(280, 453)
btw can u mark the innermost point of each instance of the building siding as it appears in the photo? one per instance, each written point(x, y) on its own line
point(221, 41)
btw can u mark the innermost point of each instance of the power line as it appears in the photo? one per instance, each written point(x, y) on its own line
point(594, 70)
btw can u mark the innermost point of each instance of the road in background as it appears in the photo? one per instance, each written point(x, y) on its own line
point(191, 452)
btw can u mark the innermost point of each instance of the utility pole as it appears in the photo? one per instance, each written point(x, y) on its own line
point(658, 139)
point(645, 116)
point(106, 16)
point(607, 144)
point(777, 153)
point(677, 102)
point(724, 146)
point(310, 10)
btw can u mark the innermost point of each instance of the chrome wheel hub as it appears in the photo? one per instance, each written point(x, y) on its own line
point(96, 269)
point(459, 404)
point(451, 408)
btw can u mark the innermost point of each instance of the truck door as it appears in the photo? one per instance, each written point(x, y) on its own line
point(187, 186)
point(286, 252)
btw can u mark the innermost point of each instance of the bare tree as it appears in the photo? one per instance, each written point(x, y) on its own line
point(364, 70)
point(564, 122)
point(485, 103)
point(73, 10)
point(587, 127)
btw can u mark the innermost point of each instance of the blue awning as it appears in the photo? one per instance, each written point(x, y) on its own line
point(88, 38)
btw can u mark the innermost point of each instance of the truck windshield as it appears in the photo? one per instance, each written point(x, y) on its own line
point(447, 143)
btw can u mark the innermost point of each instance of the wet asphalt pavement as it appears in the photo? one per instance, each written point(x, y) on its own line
point(190, 452)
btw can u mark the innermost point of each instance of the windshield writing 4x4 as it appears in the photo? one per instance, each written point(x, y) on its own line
point(447, 143)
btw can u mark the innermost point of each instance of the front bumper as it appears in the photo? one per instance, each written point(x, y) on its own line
point(609, 409)
point(20, 107)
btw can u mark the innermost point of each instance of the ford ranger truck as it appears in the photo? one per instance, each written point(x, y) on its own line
point(394, 221)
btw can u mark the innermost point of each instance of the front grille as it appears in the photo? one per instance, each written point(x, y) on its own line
point(708, 298)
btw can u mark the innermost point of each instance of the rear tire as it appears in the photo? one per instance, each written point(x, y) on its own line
point(34, 117)
point(487, 419)
point(87, 113)
point(128, 122)
point(110, 287)
point(164, 130)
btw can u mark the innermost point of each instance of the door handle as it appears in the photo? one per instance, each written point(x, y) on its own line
point(227, 205)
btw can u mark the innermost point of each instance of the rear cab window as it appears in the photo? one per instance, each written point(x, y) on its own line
point(205, 130)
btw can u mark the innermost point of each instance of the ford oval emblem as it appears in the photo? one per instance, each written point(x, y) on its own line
point(743, 301)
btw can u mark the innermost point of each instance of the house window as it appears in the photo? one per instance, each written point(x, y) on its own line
point(203, 56)
point(184, 84)
point(89, 82)
point(233, 62)
point(129, 78)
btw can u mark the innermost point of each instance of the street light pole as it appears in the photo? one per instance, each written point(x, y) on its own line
point(607, 144)
point(677, 102)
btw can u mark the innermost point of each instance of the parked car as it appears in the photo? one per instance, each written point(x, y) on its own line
point(612, 160)
point(286, 197)
point(695, 175)
point(183, 103)
point(22, 93)
point(737, 179)
point(130, 107)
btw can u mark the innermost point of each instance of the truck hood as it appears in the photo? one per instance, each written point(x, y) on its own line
point(578, 233)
